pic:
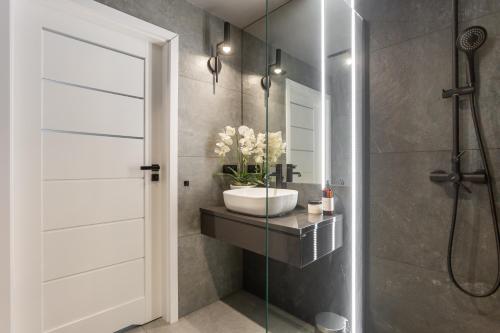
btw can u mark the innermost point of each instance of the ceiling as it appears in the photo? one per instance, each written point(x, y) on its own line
point(240, 13)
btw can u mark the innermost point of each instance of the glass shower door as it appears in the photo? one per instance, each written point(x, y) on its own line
point(314, 126)
point(302, 86)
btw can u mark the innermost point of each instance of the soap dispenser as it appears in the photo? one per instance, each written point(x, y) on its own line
point(328, 203)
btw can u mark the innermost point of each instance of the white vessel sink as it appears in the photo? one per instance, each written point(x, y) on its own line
point(252, 201)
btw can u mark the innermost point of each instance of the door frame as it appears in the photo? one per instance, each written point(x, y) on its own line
point(25, 287)
point(5, 142)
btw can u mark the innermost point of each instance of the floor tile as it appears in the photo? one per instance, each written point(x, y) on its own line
point(241, 312)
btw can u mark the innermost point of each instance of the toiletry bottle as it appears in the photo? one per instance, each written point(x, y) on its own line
point(328, 199)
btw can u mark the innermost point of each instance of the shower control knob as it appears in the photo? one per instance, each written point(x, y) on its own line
point(439, 176)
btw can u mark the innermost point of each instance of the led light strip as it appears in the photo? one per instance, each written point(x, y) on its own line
point(355, 288)
point(356, 292)
point(323, 97)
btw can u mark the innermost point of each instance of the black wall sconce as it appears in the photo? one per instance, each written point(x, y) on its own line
point(276, 69)
point(222, 48)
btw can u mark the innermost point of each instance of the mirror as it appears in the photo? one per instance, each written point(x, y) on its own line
point(315, 127)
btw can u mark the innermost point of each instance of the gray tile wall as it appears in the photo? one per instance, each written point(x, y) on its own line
point(208, 269)
point(409, 290)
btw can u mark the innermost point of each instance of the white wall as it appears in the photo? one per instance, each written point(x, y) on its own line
point(4, 166)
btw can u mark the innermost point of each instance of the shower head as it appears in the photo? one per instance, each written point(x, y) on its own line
point(471, 39)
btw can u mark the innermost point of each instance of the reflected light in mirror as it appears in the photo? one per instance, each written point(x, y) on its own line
point(348, 61)
point(323, 96)
point(226, 49)
point(278, 70)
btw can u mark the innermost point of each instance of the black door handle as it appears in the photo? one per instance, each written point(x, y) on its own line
point(152, 167)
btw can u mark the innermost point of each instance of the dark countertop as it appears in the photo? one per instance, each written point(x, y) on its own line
point(297, 222)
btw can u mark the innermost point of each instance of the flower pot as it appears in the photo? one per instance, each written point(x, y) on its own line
point(234, 187)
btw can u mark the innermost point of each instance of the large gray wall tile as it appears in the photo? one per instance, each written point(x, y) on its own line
point(204, 190)
point(208, 270)
point(477, 8)
point(407, 209)
point(393, 21)
point(203, 114)
point(407, 111)
point(409, 299)
point(411, 216)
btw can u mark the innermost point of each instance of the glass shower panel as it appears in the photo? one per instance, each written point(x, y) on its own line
point(311, 88)
point(254, 66)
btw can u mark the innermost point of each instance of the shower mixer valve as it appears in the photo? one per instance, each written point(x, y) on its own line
point(441, 176)
point(458, 92)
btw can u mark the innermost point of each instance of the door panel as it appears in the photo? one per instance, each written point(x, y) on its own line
point(76, 250)
point(303, 158)
point(82, 202)
point(78, 296)
point(70, 108)
point(302, 139)
point(77, 62)
point(301, 116)
point(110, 320)
point(75, 156)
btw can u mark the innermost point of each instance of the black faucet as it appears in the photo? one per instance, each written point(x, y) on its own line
point(278, 173)
point(289, 175)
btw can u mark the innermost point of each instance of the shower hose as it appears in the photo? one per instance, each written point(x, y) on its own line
point(489, 183)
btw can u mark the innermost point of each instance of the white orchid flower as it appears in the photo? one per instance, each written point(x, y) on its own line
point(246, 151)
point(242, 130)
point(226, 139)
point(231, 131)
point(221, 149)
point(275, 146)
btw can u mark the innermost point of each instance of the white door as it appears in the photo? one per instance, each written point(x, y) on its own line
point(307, 132)
point(82, 121)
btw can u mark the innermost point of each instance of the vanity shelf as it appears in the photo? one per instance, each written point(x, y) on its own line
point(296, 238)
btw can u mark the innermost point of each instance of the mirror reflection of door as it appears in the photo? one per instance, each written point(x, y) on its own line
point(307, 132)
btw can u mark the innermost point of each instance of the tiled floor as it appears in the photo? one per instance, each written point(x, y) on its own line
point(241, 313)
